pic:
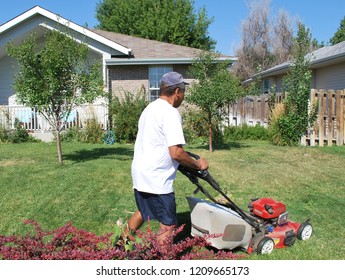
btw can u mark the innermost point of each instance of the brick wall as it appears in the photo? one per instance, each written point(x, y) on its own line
point(128, 78)
point(134, 78)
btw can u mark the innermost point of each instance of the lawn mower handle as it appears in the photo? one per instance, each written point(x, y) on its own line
point(202, 174)
point(193, 176)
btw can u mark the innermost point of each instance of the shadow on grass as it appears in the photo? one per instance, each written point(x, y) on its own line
point(223, 146)
point(124, 154)
point(118, 153)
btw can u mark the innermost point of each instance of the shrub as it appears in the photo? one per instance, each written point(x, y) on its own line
point(3, 134)
point(275, 135)
point(18, 135)
point(245, 132)
point(73, 134)
point(69, 243)
point(196, 130)
point(125, 112)
point(92, 133)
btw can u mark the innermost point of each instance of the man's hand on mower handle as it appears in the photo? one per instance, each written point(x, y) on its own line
point(202, 163)
point(184, 158)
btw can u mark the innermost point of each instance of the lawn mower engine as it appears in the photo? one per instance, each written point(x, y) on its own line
point(275, 218)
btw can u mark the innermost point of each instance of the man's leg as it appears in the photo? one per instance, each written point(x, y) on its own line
point(165, 233)
point(134, 223)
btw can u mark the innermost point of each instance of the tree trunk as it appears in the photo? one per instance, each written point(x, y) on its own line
point(210, 132)
point(58, 144)
point(211, 139)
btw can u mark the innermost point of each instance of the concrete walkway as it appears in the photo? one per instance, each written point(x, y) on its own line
point(43, 136)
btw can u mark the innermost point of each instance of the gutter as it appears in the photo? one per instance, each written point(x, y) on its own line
point(151, 61)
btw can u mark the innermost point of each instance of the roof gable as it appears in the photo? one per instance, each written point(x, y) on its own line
point(19, 27)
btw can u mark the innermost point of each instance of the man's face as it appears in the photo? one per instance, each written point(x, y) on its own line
point(179, 94)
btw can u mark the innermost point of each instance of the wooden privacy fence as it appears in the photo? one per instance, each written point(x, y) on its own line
point(328, 129)
point(251, 110)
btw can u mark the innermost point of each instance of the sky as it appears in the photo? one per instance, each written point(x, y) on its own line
point(322, 17)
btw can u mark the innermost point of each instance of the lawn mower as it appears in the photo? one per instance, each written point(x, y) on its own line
point(264, 227)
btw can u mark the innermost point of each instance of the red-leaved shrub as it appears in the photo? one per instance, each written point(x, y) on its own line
point(69, 243)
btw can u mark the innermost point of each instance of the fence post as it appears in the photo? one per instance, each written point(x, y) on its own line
point(330, 110)
point(321, 117)
point(264, 115)
point(312, 133)
point(340, 117)
point(243, 110)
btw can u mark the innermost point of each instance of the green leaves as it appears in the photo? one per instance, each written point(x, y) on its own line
point(294, 121)
point(125, 112)
point(54, 75)
point(162, 20)
point(216, 86)
point(339, 36)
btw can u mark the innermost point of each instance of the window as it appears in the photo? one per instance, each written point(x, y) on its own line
point(266, 86)
point(155, 74)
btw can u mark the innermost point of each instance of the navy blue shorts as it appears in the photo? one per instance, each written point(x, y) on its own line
point(160, 207)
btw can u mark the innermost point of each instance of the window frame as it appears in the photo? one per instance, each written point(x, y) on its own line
point(155, 74)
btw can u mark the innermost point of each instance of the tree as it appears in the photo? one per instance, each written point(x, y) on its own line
point(339, 36)
point(170, 21)
point(282, 40)
point(265, 42)
point(296, 116)
point(55, 76)
point(215, 87)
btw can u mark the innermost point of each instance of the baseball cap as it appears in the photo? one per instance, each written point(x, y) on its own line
point(172, 79)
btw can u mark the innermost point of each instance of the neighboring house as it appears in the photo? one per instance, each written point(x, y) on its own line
point(327, 65)
point(129, 63)
point(328, 77)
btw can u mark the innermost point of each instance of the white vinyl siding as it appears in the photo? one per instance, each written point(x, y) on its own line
point(332, 77)
point(6, 79)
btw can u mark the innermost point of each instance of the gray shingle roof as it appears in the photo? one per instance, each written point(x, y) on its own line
point(318, 58)
point(328, 53)
point(150, 49)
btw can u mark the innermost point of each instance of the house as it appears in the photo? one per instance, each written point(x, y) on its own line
point(327, 65)
point(129, 63)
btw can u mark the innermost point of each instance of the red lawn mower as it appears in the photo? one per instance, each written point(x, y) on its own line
point(266, 225)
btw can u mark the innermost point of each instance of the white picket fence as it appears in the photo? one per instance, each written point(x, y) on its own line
point(35, 122)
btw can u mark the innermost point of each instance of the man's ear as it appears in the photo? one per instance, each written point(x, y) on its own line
point(179, 90)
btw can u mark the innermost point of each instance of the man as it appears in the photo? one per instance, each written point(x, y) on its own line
point(157, 153)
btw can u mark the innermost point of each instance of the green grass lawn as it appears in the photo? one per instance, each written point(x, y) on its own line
point(93, 188)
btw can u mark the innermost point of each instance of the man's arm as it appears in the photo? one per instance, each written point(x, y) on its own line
point(181, 156)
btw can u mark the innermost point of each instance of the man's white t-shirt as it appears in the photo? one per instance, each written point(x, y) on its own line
point(160, 126)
